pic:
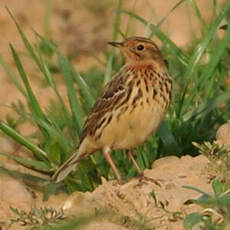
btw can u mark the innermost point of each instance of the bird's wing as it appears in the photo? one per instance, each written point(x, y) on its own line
point(115, 92)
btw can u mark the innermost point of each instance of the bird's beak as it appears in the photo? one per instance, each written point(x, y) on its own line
point(116, 44)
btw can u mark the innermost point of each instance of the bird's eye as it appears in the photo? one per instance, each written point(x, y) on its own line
point(140, 47)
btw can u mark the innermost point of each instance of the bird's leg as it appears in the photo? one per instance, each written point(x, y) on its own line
point(130, 152)
point(140, 172)
point(112, 165)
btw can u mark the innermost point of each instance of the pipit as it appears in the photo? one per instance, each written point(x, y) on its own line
point(131, 107)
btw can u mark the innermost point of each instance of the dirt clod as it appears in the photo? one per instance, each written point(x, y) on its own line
point(135, 201)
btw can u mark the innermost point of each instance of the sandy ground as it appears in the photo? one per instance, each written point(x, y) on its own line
point(80, 27)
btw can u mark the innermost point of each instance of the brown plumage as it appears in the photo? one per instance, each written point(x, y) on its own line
point(131, 107)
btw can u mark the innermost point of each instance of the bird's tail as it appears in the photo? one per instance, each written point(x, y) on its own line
point(66, 168)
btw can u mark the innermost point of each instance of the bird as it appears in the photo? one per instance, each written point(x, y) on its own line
point(130, 109)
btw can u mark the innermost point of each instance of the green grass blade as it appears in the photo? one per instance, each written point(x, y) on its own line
point(208, 71)
point(26, 42)
point(52, 188)
point(82, 85)
point(52, 83)
point(23, 141)
point(45, 70)
point(32, 101)
point(32, 164)
point(116, 32)
point(56, 134)
point(214, 8)
point(196, 190)
point(215, 59)
point(148, 32)
point(195, 58)
point(108, 70)
point(12, 75)
point(168, 139)
point(197, 11)
point(84, 89)
point(202, 46)
point(166, 16)
point(207, 106)
point(53, 86)
point(191, 220)
point(117, 21)
point(28, 179)
point(76, 108)
point(173, 48)
point(47, 18)
point(32, 53)
point(130, 24)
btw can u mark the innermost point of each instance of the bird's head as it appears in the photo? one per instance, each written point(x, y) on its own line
point(138, 49)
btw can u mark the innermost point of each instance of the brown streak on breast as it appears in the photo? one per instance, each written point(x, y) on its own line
point(138, 82)
point(154, 93)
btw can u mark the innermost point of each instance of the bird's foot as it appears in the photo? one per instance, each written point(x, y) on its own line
point(142, 178)
point(121, 181)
